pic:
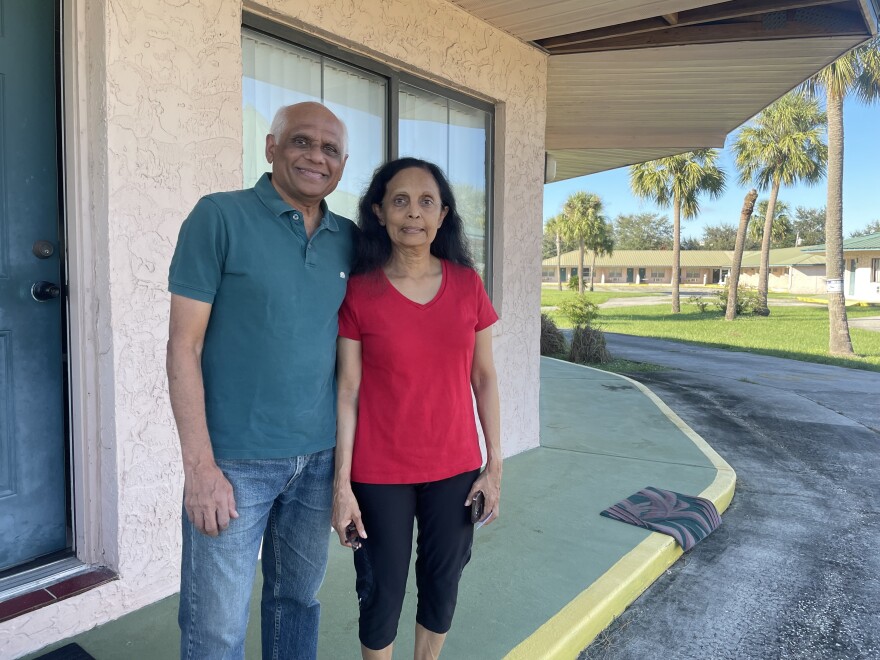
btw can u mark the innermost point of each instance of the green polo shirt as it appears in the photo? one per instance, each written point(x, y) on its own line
point(269, 358)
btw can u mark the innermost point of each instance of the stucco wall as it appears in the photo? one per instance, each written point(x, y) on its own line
point(172, 105)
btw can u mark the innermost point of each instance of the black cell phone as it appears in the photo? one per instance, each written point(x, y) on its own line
point(352, 537)
point(477, 506)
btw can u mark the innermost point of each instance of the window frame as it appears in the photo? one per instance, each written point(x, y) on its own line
point(875, 270)
point(396, 77)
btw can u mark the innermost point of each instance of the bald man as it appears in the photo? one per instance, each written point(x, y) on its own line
point(256, 282)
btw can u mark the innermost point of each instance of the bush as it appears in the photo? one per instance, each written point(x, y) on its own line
point(580, 311)
point(552, 339)
point(588, 346)
point(747, 300)
point(701, 303)
point(573, 283)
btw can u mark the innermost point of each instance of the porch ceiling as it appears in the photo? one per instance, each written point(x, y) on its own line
point(634, 80)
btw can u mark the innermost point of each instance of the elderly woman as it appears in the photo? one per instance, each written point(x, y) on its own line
point(414, 342)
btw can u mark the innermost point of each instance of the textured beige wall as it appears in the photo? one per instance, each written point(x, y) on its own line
point(169, 104)
point(801, 279)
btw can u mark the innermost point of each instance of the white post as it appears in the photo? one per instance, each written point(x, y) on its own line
point(704, 279)
point(603, 277)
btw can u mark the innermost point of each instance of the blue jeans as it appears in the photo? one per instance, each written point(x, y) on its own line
point(285, 503)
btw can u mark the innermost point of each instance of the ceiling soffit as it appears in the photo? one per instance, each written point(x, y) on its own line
point(726, 22)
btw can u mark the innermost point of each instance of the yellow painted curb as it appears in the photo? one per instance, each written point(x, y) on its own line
point(577, 624)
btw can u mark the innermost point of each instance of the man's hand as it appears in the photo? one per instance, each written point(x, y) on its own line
point(208, 499)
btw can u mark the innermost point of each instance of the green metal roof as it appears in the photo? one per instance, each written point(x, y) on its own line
point(689, 258)
point(647, 258)
point(793, 256)
point(869, 242)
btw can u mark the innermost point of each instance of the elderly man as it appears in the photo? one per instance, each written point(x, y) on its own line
point(256, 282)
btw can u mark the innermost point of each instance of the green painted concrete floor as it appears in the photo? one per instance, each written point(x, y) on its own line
point(602, 439)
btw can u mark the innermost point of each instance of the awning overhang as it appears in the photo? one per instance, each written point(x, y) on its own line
point(635, 80)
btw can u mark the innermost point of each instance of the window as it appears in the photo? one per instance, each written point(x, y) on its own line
point(455, 137)
point(276, 74)
point(658, 274)
point(692, 275)
point(385, 112)
point(615, 274)
point(875, 270)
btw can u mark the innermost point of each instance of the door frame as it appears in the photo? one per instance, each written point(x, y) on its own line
point(89, 333)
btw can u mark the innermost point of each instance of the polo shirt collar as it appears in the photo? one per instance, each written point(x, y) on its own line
point(270, 197)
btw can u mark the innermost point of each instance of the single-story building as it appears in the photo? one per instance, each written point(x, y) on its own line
point(861, 278)
point(117, 115)
point(641, 267)
point(791, 269)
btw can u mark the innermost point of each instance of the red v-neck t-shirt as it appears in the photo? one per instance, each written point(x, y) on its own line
point(416, 418)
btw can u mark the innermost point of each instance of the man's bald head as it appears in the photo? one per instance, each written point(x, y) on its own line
point(286, 113)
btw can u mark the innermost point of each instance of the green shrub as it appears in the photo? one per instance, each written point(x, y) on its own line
point(747, 300)
point(552, 339)
point(573, 283)
point(701, 303)
point(579, 310)
point(588, 346)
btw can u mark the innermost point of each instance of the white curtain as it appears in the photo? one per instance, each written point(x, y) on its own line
point(276, 74)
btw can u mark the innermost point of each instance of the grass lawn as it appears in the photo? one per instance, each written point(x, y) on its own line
point(552, 297)
point(798, 333)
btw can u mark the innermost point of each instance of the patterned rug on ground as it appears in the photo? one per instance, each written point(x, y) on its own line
point(685, 518)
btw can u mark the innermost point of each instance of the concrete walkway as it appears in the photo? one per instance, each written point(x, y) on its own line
point(551, 573)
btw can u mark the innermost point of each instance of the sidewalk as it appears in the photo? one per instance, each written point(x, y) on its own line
point(551, 573)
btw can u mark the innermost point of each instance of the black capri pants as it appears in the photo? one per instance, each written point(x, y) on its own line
point(443, 548)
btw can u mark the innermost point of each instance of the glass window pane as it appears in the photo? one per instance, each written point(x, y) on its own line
point(424, 126)
point(359, 99)
point(274, 74)
point(454, 136)
point(467, 173)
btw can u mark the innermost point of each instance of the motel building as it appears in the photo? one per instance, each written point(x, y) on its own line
point(117, 115)
point(793, 270)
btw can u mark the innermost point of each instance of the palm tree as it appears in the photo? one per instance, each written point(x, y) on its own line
point(584, 223)
point(856, 72)
point(678, 181)
point(600, 243)
point(556, 225)
point(739, 247)
point(782, 145)
point(781, 228)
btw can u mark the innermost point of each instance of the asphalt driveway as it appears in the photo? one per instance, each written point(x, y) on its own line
point(794, 570)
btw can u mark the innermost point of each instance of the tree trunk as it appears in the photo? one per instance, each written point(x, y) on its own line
point(676, 253)
point(558, 261)
point(733, 281)
point(592, 270)
point(764, 273)
point(838, 338)
point(581, 266)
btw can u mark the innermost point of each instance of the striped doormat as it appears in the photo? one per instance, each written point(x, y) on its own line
point(685, 518)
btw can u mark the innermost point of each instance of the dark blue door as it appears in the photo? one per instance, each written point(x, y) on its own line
point(33, 501)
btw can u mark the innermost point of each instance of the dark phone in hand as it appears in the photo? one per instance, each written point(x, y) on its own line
point(477, 506)
point(351, 536)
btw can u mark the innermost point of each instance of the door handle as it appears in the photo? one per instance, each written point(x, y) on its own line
point(45, 291)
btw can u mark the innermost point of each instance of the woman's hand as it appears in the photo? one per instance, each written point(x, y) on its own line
point(345, 512)
point(489, 482)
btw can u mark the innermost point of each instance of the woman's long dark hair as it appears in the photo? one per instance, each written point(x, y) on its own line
point(374, 246)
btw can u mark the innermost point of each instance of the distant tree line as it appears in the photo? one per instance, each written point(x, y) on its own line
point(653, 231)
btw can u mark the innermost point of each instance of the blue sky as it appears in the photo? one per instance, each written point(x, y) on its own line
point(861, 183)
